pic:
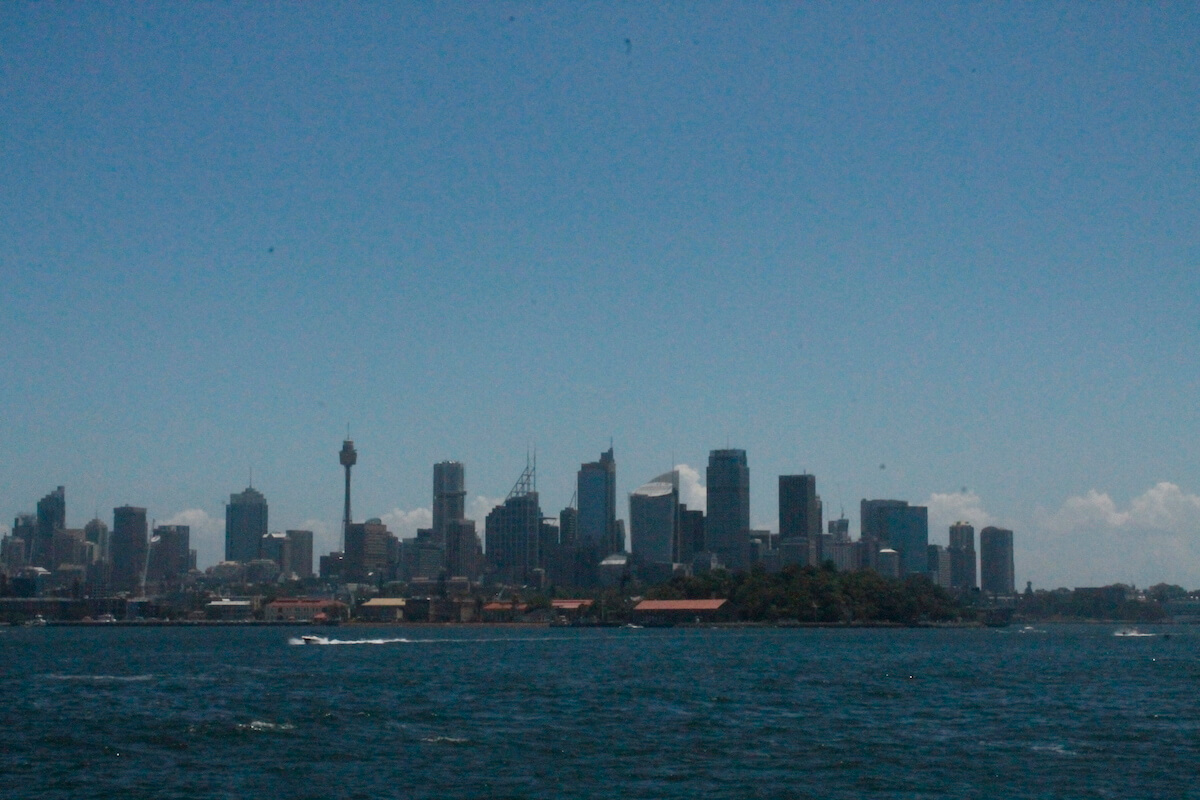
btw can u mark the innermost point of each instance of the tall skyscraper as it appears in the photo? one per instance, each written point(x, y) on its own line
point(513, 532)
point(996, 571)
point(597, 493)
point(799, 507)
point(366, 554)
point(654, 520)
point(872, 529)
point(245, 524)
point(298, 554)
point(462, 551)
point(96, 532)
point(170, 554)
point(962, 556)
point(348, 457)
point(727, 526)
point(130, 543)
point(51, 517)
point(906, 530)
point(449, 496)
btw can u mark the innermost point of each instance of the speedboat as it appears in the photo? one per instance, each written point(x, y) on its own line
point(310, 639)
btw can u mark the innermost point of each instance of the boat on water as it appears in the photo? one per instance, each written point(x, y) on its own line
point(1131, 632)
point(37, 622)
point(310, 639)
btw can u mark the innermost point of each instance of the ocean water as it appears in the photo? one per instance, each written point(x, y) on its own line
point(464, 712)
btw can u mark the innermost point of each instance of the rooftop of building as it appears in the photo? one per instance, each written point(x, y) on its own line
point(679, 605)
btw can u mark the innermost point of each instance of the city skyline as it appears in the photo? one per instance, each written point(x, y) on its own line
point(938, 254)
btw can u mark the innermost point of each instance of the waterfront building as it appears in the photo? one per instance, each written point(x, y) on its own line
point(839, 529)
point(130, 545)
point(962, 556)
point(654, 520)
point(996, 561)
point(245, 524)
point(727, 526)
point(887, 563)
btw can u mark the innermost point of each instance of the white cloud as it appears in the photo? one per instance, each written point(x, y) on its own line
point(206, 535)
point(1093, 540)
point(692, 492)
point(947, 509)
point(479, 506)
point(326, 537)
point(404, 524)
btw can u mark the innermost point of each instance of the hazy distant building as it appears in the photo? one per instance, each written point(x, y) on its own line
point(513, 543)
point(245, 524)
point(691, 534)
point(799, 507)
point(96, 532)
point(839, 529)
point(170, 554)
point(727, 526)
point(298, 554)
point(291, 551)
point(596, 489)
point(130, 544)
point(938, 565)
point(887, 563)
point(24, 529)
point(906, 530)
point(51, 517)
point(962, 556)
point(568, 527)
point(366, 554)
point(462, 552)
point(654, 520)
point(996, 561)
point(449, 496)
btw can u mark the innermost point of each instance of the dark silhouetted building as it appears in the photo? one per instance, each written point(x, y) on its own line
point(514, 533)
point(449, 496)
point(799, 507)
point(906, 530)
point(245, 525)
point(366, 554)
point(170, 554)
point(962, 556)
point(298, 554)
point(996, 561)
point(463, 554)
point(727, 526)
point(51, 517)
point(596, 490)
point(130, 544)
point(654, 521)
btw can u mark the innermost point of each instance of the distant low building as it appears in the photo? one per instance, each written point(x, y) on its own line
point(304, 609)
point(674, 612)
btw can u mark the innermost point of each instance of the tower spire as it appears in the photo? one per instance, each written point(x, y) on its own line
point(348, 457)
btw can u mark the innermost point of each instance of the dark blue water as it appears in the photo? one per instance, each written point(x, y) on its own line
point(487, 712)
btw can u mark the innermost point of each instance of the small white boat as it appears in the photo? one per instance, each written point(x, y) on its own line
point(37, 622)
point(310, 639)
point(1131, 632)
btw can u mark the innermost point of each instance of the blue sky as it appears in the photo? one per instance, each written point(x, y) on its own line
point(946, 253)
